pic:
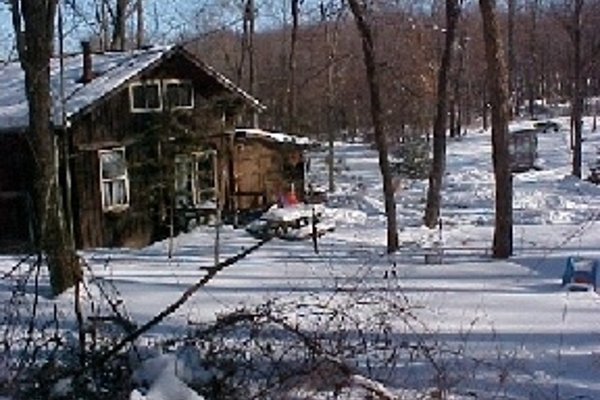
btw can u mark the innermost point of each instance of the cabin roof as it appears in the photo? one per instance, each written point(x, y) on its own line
point(111, 70)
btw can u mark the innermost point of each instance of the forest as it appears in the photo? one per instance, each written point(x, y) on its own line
point(311, 75)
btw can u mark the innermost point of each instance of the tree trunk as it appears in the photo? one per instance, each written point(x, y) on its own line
point(52, 235)
point(364, 28)
point(484, 110)
point(577, 87)
point(139, 35)
point(331, 39)
point(120, 26)
point(512, 59)
point(498, 89)
point(432, 211)
point(532, 63)
point(248, 49)
point(292, 117)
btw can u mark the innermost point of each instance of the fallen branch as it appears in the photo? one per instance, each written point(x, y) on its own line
point(211, 272)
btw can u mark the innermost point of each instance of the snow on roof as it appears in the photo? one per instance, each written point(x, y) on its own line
point(111, 70)
point(276, 136)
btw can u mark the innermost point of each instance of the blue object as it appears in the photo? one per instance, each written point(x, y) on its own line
point(580, 273)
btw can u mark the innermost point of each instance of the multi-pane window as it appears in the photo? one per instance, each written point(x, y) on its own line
point(146, 96)
point(195, 180)
point(156, 95)
point(114, 180)
point(178, 94)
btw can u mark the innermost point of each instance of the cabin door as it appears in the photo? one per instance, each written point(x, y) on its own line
point(249, 179)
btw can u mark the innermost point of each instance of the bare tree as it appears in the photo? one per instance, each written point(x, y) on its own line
point(112, 21)
point(532, 66)
point(139, 33)
point(575, 31)
point(579, 20)
point(512, 59)
point(119, 25)
point(359, 11)
point(499, 98)
point(432, 211)
point(33, 23)
point(331, 40)
point(249, 49)
point(292, 109)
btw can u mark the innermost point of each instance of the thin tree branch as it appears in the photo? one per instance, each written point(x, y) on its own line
point(211, 272)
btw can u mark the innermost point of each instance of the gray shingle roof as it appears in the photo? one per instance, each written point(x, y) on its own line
point(112, 69)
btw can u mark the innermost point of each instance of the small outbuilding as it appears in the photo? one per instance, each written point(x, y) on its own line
point(243, 172)
point(523, 149)
point(262, 166)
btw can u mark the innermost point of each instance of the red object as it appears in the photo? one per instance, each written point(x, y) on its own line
point(291, 199)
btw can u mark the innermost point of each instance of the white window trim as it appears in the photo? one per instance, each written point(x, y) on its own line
point(165, 82)
point(191, 159)
point(114, 207)
point(212, 154)
point(162, 91)
point(145, 83)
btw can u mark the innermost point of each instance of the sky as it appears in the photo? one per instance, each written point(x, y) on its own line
point(504, 328)
point(165, 20)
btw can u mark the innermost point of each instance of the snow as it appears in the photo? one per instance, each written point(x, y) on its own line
point(526, 336)
point(276, 136)
point(160, 373)
point(293, 212)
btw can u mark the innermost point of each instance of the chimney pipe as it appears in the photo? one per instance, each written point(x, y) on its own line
point(88, 73)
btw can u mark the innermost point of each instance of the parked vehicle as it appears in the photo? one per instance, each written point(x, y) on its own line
point(547, 126)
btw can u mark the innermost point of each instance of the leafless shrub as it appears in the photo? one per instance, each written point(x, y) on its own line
point(41, 355)
point(361, 340)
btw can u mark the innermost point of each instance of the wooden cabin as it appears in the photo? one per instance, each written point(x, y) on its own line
point(130, 125)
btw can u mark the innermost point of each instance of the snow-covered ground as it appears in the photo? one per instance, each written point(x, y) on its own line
point(517, 332)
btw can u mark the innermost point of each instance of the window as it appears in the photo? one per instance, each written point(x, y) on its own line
point(179, 94)
point(113, 179)
point(154, 95)
point(145, 96)
point(195, 180)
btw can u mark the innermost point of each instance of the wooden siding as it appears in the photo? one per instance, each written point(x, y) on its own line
point(258, 171)
point(110, 124)
point(15, 204)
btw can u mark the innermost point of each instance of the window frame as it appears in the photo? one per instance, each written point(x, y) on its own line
point(163, 100)
point(114, 206)
point(196, 193)
point(180, 82)
point(143, 83)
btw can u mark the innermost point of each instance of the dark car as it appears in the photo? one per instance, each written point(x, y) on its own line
point(547, 126)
